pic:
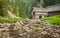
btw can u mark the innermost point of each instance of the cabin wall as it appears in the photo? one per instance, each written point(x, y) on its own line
point(53, 13)
point(39, 15)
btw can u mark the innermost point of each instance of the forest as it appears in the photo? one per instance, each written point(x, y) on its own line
point(23, 8)
point(16, 19)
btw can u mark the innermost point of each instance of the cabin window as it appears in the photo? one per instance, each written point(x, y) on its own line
point(41, 16)
point(33, 13)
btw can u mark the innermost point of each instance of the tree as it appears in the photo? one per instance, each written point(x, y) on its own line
point(51, 2)
point(7, 5)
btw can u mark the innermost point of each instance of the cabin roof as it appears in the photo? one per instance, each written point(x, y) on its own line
point(53, 8)
point(48, 8)
point(39, 9)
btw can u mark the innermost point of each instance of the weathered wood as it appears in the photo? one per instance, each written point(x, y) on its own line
point(44, 12)
point(10, 14)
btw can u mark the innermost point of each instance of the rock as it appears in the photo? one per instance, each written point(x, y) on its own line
point(30, 28)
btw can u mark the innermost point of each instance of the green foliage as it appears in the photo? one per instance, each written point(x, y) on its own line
point(2, 11)
point(10, 20)
point(22, 8)
point(27, 6)
point(9, 5)
point(22, 11)
point(51, 2)
point(52, 19)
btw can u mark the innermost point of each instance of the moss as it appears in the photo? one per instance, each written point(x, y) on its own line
point(6, 20)
point(55, 20)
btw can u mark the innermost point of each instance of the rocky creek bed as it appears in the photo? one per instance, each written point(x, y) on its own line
point(29, 28)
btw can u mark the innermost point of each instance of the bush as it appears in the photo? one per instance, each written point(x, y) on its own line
point(55, 20)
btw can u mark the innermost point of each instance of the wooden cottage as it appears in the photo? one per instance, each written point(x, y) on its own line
point(47, 11)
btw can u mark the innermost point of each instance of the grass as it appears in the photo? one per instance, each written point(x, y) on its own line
point(10, 20)
point(55, 20)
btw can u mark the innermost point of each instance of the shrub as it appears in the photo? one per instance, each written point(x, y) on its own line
point(55, 20)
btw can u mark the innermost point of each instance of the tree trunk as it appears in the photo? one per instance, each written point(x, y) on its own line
point(10, 14)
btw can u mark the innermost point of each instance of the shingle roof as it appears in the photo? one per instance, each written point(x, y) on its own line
point(39, 9)
point(48, 8)
point(53, 8)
